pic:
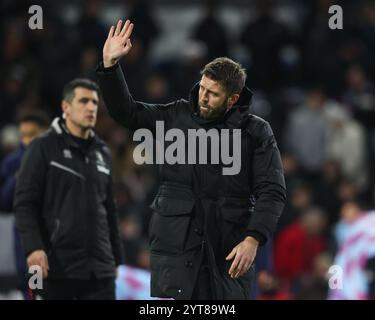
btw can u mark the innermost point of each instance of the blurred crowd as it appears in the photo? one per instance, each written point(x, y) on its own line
point(316, 86)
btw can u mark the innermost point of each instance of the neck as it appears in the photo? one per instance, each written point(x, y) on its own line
point(77, 131)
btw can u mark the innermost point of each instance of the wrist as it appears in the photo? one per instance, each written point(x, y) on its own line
point(252, 240)
point(107, 63)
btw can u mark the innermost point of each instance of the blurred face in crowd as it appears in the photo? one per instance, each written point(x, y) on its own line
point(350, 211)
point(301, 198)
point(290, 164)
point(29, 130)
point(81, 111)
point(213, 100)
point(314, 222)
point(356, 78)
point(315, 100)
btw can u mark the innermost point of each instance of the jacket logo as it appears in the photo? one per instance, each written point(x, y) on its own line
point(67, 154)
point(99, 157)
point(102, 169)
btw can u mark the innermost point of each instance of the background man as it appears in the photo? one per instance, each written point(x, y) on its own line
point(30, 126)
point(64, 207)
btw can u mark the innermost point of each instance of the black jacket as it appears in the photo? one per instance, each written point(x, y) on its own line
point(197, 208)
point(63, 205)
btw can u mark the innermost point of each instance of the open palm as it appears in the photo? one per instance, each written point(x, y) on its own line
point(118, 43)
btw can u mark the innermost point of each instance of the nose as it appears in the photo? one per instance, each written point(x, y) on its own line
point(204, 96)
point(91, 106)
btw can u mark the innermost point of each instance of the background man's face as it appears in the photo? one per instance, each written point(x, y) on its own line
point(29, 130)
point(82, 110)
point(212, 100)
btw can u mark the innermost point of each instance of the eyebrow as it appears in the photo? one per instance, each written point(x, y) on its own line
point(208, 89)
point(88, 99)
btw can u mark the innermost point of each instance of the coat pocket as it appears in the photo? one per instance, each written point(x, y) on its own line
point(170, 278)
point(170, 223)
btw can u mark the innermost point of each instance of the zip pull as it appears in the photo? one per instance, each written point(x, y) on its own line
point(86, 159)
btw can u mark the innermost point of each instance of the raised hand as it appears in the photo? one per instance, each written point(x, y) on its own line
point(118, 43)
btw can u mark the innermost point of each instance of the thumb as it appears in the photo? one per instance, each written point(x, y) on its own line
point(232, 254)
point(128, 46)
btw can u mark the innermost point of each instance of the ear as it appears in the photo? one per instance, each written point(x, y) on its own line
point(232, 100)
point(65, 106)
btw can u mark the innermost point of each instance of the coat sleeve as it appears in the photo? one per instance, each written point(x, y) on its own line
point(114, 235)
point(28, 200)
point(268, 184)
point(123, 108)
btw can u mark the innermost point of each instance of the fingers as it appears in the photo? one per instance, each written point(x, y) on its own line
point(240, 264)
point(129, 30)
point(124, 32)
point(125, 28)
point(111, 31)
point(118, 28)
point(43, 263)
point(39, 258)
point(234, 267)
point(243, 267)
point(232, 254)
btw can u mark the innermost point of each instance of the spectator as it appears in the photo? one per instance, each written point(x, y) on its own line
point(298, 244)
point(325, 190)
point(212, 32)
point(264, 39)
point(306, 133)
point(346, 144)
point(30, 126)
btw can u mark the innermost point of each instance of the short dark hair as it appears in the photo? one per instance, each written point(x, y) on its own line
point(68, 91)
point(227, 72)
point(38, 116)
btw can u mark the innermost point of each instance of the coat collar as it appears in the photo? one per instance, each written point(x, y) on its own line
point(59, 127)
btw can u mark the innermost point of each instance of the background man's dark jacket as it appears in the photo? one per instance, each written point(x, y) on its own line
point(197, 208)
point(64, 205)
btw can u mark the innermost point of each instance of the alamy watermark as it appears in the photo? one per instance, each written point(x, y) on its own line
point(335, 277)
point(336, 20)
point(176, 153)
point(36, 20)
point(36, 279)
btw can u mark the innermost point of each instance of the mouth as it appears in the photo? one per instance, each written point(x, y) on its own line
point(205, 109)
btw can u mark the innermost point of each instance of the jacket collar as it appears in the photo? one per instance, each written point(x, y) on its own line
point(234, 118)
point(59, 127)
